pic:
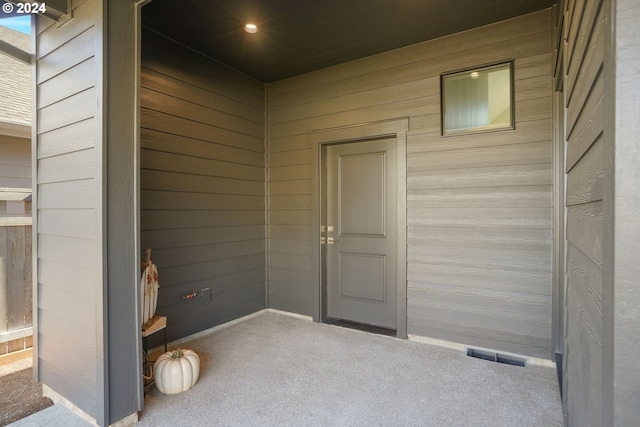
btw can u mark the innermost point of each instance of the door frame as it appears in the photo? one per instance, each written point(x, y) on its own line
point(395, 129)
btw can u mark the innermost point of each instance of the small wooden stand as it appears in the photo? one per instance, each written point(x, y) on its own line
point(153, 325)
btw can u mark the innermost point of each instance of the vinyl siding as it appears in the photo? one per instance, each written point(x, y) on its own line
point(202, 184)
point(583, 62)
point(68, 152)
point(479, 207)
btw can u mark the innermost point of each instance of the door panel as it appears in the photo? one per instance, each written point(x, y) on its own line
point(363, 276)
point(362, 194)
point(361, 232)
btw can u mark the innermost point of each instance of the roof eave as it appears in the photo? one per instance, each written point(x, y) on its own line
point(15, 52)
point(16, 130)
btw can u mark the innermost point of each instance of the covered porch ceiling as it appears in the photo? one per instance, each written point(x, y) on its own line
point(299, 36)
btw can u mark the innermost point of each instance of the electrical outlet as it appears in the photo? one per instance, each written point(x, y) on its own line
point(205, 296)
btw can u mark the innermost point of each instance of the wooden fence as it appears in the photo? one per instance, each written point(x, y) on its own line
point(15, 281)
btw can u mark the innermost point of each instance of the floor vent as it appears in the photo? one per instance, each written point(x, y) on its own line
point(496, 357)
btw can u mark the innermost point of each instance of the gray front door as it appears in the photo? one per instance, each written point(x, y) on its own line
point(361, 232)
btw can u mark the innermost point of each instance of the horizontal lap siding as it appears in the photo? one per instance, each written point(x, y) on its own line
point(479, 207)
point(586, 143)
point(202, 185)
point(480, 211)
point(69, 269)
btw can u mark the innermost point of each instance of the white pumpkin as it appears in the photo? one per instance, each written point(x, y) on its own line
point(177, 371)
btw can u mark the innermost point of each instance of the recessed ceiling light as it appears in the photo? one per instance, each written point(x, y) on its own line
point(251, 28)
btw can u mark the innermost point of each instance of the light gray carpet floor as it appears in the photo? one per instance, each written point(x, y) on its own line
point(275, 370)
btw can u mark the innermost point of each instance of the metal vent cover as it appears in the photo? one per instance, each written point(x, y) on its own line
point(496, 357)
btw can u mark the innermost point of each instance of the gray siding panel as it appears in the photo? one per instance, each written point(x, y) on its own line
point(66, 140)
point(73, 166)
point(584, 329)
point(58, 372)
point(69, 255)
point(479, 207)
point(161, 200)
point(73, 223)
point(70, 194)
point(207, 97)
point(164, 142)
point(183, 127)
point(79, 77)
point(66, 278)
point(187, 66)
point(53, 40)
point(187, 164)
point(202, 185)
point(68, 55)
point(157, 101)
point(63, 113)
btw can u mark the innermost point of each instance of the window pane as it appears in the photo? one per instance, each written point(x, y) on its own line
point(477, 100)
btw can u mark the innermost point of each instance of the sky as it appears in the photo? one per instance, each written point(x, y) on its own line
point(18, 23)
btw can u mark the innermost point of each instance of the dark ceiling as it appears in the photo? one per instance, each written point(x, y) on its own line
point(298, 36)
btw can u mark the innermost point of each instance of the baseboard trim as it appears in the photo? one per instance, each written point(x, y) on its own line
point(225, 325)
point(463, 348)
point(126, 421)
point(290, 314)
point(58, 399)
